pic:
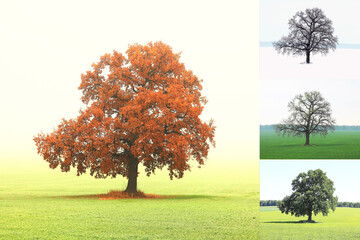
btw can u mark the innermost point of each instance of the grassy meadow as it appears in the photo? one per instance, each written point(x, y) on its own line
point(344, 223)
point(337, 145)
point(37, 202)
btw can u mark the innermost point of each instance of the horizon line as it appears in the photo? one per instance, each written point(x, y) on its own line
point(335, 125)
point(340, 45)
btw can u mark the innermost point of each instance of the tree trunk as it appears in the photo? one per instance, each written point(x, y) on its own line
point(307, 57)
point(307, 142)
point(132, 176)
point(309, 216)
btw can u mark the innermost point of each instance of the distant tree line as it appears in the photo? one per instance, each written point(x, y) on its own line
point(268, 202)
point(265, 203)
point(349, 204)
point(347, 128)
point(337, 128)
point(267, 127)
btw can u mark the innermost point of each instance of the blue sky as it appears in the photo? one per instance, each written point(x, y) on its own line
point(274, 16)
point(276, 177)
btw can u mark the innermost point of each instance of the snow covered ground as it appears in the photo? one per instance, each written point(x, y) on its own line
point(336, 76)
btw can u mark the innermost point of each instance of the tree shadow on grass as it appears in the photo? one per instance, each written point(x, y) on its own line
point(298, 145)
point(300, 222)
point(148, 196)
point(183, 197)
point(312, 145)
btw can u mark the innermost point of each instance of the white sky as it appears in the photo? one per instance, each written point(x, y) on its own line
point(46, 45)
point(276, 177)
point(275, 14)
point(336, 77)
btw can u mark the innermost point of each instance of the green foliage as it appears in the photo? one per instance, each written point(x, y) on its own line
point(337, 145)
point(312, 194)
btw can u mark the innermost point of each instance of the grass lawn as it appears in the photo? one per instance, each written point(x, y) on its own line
point(344, 223)
point(209, 203)
point(337, 145)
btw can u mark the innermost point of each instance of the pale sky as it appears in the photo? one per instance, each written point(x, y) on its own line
point(276, 177)
point(47, 45)
point(275, 14)
point(336, 76)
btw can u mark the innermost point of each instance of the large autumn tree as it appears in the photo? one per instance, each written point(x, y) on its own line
point(142, 107)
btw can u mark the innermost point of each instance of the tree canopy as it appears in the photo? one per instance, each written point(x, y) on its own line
point(312, 194)
point(310, 114)
point(142, 107)
point(310, 32)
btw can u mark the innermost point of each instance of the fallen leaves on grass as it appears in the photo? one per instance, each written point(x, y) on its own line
point(114, 194)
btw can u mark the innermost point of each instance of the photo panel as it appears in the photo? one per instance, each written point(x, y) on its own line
point(309, 199)
point(126, 120)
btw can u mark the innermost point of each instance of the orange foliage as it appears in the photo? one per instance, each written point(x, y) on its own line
point(146, 109)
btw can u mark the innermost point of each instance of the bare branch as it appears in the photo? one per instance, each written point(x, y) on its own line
point(310, 114)
point(310, 32)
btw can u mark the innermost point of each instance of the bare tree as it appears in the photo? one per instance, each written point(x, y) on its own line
point(310, 32)
point(310, 115)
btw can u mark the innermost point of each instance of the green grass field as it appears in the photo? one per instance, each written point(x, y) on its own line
point(210, 203)
point(344, 223)
point(337, 145)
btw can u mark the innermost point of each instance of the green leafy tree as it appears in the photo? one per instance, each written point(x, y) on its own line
point(312, 194)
